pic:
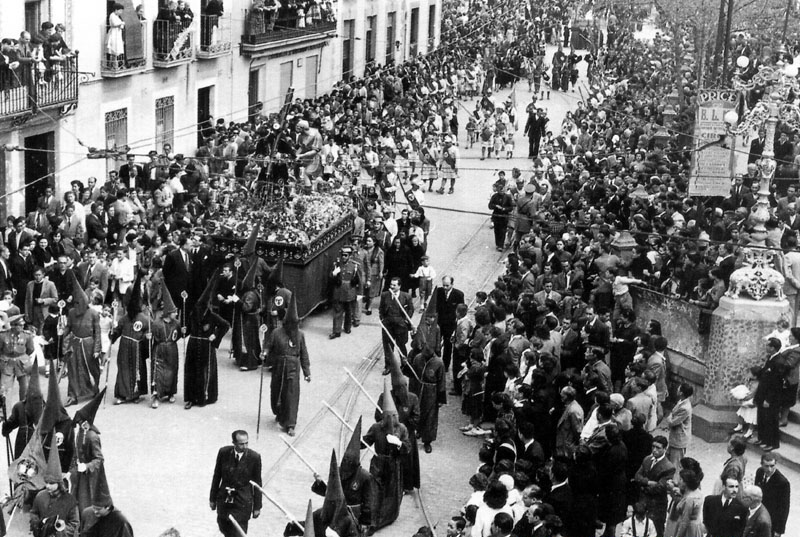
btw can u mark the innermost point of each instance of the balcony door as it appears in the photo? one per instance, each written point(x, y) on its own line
point(203, 111)
point(132, 33)
point(39, 167)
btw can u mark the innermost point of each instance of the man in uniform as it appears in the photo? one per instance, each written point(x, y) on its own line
point(346, 277)
point(231, 491)
point(16, 348)
point(448, 165)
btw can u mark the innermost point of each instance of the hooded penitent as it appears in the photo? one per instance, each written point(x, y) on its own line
point(89, 411)
point(334, 504)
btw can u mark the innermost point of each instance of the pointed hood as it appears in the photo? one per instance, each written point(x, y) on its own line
point(275, 278)
point(388, 401)
point(308, 530)
point(167, 306)
point(430, 310)
point(334, 502)
point(33, 399)
point(52, 472)
point(134, 305)
point(249, 281)
point(79, 297)
point(250, 246)
point(204, 302)
point(352, 453)
point(54, 411)
point(89, 411)
point(101, 496)
point(397, 376)
point(291, 319)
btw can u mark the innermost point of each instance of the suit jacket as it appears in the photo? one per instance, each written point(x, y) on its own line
point(124, 175)
point(176, 274)
point(680, 424)
point(34, 312)
point(541, 296)
point(5, 277)
point(724, 522)
point(391, 310)
point(568, 430)
point(96, 227)
point(529, 283)
point(230, 474)
point(99, 271)
point(446, 307)
point(776, 491)
point(561, 499)
point(599, 334)
point(660, 473)
point(15, 239)
point(758, 525)
point(756, 149)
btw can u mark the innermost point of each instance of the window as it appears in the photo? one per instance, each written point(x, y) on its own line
point(413, 38)
point(431, 28)
point(370, 39)
point(390, 37)
point(312, 63)
point(165, 121)
point(286, 78)
point(347, 48)
point(116, 133)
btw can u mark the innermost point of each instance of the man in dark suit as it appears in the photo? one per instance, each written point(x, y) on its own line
point(757, 146)
point(5, 272)
point(231, 491)
point(38, 221)
point(724, 515)
point(177, 272)
point(131, 174)
point(560, 495)
point(395, 310)
point(534, 129)
point(597, 331)
point(447, 300)
point(652, 477)
point(759, 523)
point(19, 235)
point(92, 268)
point(775, 492)
point(531, 449)
point(97, 223)
point(21, 266)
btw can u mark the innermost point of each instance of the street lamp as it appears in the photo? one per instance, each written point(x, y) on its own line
point(779, 81)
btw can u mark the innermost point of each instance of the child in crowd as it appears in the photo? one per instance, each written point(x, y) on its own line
point(472, 128)
point(426, 275)
point(747, 413)
point(638, 524)
point(509, 145)
point(471, 376)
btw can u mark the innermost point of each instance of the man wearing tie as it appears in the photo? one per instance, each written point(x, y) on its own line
point(724, 515)
point(652, 477)
point(759, 523)
point(91, 268)
point(447, 300)
point(395, 312)
point(231, 491)
point(177, 272)
point(775, 492)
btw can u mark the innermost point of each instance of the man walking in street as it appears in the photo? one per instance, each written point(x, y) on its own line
point(346, 278)
point(396, 309)
point(776, 492)
point(447, 300)
point(724, 514)
point(231, 491)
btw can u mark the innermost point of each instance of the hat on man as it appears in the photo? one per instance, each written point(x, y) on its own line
point(530, 188)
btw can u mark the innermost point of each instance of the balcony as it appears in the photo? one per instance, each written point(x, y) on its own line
point(215, 36)
point(32, 87)
point(173, 43)
point(133, 49)
point(264, 32)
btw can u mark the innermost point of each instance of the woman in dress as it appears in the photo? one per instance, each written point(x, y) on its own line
point(115, 44)
point(690, 506)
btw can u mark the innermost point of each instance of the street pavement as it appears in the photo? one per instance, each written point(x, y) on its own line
point(159, 462)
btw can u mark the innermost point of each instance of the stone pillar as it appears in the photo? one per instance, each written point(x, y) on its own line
point(736, 343)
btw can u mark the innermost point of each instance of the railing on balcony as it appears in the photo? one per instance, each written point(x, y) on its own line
point(265, 27)
point(36, 86)
point(215, 36)
point(173, 43)
point(124, 51)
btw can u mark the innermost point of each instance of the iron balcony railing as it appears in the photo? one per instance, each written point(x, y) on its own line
point(266, 26)
point(173, 42)
point(133, 57)
point(34, 86)
point(215, 36)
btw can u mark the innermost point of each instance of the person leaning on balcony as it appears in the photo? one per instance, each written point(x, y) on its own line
point(271, 8)
point(184, 13)
point(115, 45)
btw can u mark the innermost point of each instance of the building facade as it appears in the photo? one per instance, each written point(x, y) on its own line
point(151, 80)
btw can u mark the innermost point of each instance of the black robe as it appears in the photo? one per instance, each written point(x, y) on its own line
point(200, 365)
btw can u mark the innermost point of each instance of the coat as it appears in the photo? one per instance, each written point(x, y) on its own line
point(35, 313)
point(724, 521)
point(776, 491)
point(659, 472)
point(446, 306)
point(568, 429)
point(88, 451)
point(229, 474)
point(680, 424)
point(346, 281)
point(758, 525)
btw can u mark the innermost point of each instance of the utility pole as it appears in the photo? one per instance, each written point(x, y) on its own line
point(727, 43)
point(786, 19)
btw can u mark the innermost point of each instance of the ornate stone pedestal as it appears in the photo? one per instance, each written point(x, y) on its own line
point(736, 343)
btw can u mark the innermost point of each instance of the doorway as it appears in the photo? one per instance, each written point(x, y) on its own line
point(203, 113)
point(39, 167)
point(253, 106)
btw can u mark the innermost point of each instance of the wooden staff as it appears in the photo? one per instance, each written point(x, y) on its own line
point(389, 335)
point(299, 456)
point(237, 526)
point(349, 427)
point(274, 502)
point(363, 389)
